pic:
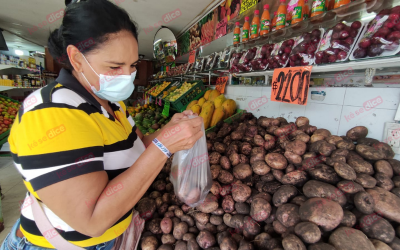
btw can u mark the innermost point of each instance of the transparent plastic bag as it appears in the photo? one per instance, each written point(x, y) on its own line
point(191, 174)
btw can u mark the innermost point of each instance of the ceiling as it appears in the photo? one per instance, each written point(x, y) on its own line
point(20, 16)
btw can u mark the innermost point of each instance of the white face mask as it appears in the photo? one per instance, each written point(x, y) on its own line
point(113, 88)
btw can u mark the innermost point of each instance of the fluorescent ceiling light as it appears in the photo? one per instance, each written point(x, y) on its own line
point(159, 40)
point(19, 52)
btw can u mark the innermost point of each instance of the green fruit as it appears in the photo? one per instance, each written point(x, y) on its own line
point(151, 130)
point(155, 126)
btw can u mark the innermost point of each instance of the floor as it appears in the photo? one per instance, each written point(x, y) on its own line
point(14, 192)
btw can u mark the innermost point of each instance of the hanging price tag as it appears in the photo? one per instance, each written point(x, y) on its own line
point(159, 102)
point(247, 4)
point(290, 85)
point(221, 83)
point(165, 111)
point(192, 56)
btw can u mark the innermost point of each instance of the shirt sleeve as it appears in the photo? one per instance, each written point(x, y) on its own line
point(56, 142)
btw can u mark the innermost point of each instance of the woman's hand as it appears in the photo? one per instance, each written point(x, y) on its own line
point(181, 132)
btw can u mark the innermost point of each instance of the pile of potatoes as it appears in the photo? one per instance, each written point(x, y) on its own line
point(279, 185)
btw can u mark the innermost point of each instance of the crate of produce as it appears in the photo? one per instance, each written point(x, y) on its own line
point(171, 87)
point(229, 120)
point(8, 111)
point(160, 88)
point(180, 98)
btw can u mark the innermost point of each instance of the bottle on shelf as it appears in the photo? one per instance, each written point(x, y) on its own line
point(236, 34)
point(246, 29)
point(318, 7)
point(306, 12)
point(281, 15)
point(255, 25)
point(340, 3)
point(265, 21)
point(273, 23)
point(297, 15)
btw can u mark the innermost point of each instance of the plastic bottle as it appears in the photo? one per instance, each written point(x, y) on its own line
point(265, 21)
point(236, 34)
point(318, 7)
point(255, 25)
point(298, 12)
point(340, 3)
point(281, 15)
point(306, 11)
point(273, 23)
point(246, 29)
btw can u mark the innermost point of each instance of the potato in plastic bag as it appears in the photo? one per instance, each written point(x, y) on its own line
point(190, 173)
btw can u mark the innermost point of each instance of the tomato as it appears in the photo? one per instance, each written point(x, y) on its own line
point(7, 122)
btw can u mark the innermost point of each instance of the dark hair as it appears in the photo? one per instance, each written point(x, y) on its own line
point(87, 24)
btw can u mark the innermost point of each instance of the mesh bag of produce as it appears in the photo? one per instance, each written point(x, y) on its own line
point(191, 174)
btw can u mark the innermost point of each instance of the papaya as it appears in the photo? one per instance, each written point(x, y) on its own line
point(218, 115)
point(191, 104)
point(229, 107)
point(213, 94)
point(219, 100)
point(201, 101)
point(207, 94)
point(196, 108)
point(207, 103)
point(207, 113)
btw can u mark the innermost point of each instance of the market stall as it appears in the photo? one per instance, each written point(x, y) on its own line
point(310, 160)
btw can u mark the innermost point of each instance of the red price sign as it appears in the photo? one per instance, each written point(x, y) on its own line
point(192, 56)
point(290, 85)
point(221, 83)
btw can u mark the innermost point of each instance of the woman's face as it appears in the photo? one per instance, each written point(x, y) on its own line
point(117, 56)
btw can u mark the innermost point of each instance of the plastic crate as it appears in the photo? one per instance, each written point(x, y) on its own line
point(195, 93)
point(168, 87)
point(229, 120)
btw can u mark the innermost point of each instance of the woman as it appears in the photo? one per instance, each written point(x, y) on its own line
point(79, 152)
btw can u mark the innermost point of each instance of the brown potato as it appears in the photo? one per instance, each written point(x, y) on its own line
point(214, 158)
point(293, 158)
point(278, 174)
point(188, 236)
point(166, 225)
point(298, 200)
point(379, 245)
point(361, 166)
point(383, 181)
point(225, 177)
point(155, 226)
point(202, 218)
point(227, 140)
point(216, 220)
point(303, 137)
point(258, 140)
point(321, 246)
point(324, 190)
point(220, 147)
point(232, 148)
point(260, 168)
point(345, 145)
point(345, 171)
point(188, 219)
point(349, 238)
point(324, 173)
point(349, 187)
point(333, 139)
point(293, 242)
point(297, 147)
point(227, 243)
point(325, 213)
point(235, 159)
point(225, 163)
point(242, 208)
point(384, 167)
point(384, 149)
point(241, 192)
point(365, 180)
point(396, 191)
point(357, 133)
point(260, 209)
point(315, 138)
point(215, 188)
point(302, 121)
point(271, 129)
point(276, 161)
point(376, 227)
point(242, 171)
point(251, 226)
point(340, 152)
point(205, 239)
point(395, 165)
point(370, 153)
point(168, 239)
point(279, 227)
point(149, 243)
point(228, 205)
point(283, 195)
point(215, 170)
point(146, 207)
point(308, 232)
point(308, 129)
point(270, 141)
point(386, 203)
point(296, 178)
point(218, 211)
point(364, 202)
point(314, 147)
point(323, 132)
point(271, 187)
point(326, 149)
point(210, 204)
point(349, 219)
point(288, 214)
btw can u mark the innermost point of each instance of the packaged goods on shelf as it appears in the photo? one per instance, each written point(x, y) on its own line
point(199, 64)
point(280, 55)
point(338, 42)
point(381, 36)
point(224, 60)
point(303, 53)
point(209, 62)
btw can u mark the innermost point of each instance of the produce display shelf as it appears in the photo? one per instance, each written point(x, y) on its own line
point(196, 91)
point(4, 136)
point(167, 88)
point(229, 120)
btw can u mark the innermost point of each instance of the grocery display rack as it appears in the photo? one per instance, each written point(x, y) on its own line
point(195, 93)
